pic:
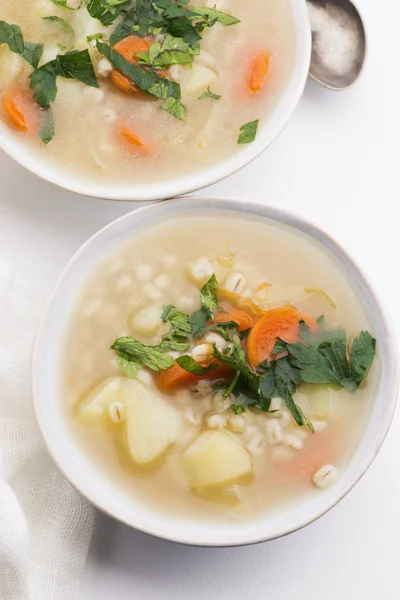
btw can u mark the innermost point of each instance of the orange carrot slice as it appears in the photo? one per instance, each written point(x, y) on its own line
point(259, 72)
point(133, 142)
point(280, 322)
point(176, 377)
point(21, 110)
point(242, 318)
point(319, 449)
point(128, 48)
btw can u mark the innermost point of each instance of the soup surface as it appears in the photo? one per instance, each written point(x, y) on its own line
point(227, 71)
point(222, 419)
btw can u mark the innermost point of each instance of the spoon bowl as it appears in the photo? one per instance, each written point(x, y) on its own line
point(339, 43)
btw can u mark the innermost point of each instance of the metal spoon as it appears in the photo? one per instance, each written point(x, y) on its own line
point(339, 43)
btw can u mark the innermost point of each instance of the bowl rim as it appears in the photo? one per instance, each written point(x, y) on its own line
point(268, 131)
point(284, 218)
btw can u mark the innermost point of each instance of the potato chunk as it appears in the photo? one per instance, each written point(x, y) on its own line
point(215, 458)
point(97, 403)
point(199, 79)
point(152, 425)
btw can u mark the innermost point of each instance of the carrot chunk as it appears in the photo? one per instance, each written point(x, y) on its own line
point(280, 322)
point(242, 318)
point(259, 72)
point(176, 377)
point(128, 48)
point(21, 110)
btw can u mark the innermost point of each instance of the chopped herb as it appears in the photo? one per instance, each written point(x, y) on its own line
point(323, 358)
point(191, 366)
point(149, 17)
point(238, 409)
point(47, 130)
point(172, 51)
point(215, 16)
point(226, 329)
point(133, 351)
point(12, 36)
point(178, 337)
point(146, 80)
point(106, 11)
point(248, 132)
point(244, 334)
point(208, 297)
point(64, 4)
point(232, 385)
point(64, 28)
point(73, 65)
point(235, 359)
point(94, 37)
point(209, 94)
point(198, 321)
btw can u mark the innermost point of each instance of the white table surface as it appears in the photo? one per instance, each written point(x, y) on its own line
point(337, 163)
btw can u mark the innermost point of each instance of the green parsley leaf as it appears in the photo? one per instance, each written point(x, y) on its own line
point(174, 107)
point(244, 334)
point(63, 4)
point(65, 29)
point(226, 329)
point(322, 358)
point(208, 297)
point(172, 51)
point(47, 130)
point(178, 337)
point(44, 82)
point(130, 367)
point(238, 409)
point(150, 356)
point(362, 354)
point(235, 359)
point(209, 94)
point(94, 37)
point(12, 36)
point(106, 11)
point(198, 321)
point(248, 132)
point(191, 366)
point(73, 65)
point(215, 16)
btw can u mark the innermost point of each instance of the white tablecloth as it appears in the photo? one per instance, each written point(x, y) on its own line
point(337, 164)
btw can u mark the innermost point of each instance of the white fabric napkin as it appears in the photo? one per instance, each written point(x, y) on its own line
point(45, 525)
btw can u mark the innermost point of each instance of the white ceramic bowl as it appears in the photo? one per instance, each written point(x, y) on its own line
point(105, 494)
point(268, 131)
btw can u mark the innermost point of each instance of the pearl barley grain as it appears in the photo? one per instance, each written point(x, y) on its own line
point(117, 412)
point(144, 272)
point(325, 476)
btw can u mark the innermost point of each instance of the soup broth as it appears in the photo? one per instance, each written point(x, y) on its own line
point(207, 460)
point(236, 76)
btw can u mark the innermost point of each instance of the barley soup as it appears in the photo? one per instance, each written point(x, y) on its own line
point(218, 367)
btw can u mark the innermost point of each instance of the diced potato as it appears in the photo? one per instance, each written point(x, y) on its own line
point(95, 406)
point(215, 458)
point(198, 80)
point(11, 65)
point(152, 425)
point(147, 321)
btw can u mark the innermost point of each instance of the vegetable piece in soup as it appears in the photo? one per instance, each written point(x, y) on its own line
point(216, 374)
point(141, 90)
